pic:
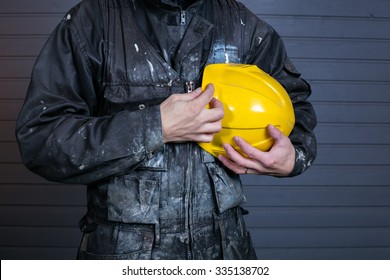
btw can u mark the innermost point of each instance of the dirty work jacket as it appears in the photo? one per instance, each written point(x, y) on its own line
point(92, 113)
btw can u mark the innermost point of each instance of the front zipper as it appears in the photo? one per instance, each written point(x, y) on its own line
point(147, 45)
point(188, 204)
point(183, 20)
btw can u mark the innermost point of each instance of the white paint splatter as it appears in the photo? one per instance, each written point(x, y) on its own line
point(81, 132)
point(226, 57)
point(150, 66)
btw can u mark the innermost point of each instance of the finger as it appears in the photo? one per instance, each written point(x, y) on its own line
point(191, 95)
point(203, 137)
point(235, 156)
point(212, 115)
point(205, 98)
point(261, 162)
point(211, 128)
point(247, 148)
point(231, 165)
point(244, 165)
point(215, 103)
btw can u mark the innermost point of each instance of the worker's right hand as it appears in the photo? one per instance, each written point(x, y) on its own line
point(185, 117)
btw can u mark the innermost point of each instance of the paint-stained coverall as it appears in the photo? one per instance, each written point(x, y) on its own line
point(92, 117)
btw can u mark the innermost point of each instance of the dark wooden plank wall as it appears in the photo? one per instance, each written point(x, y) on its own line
point(339, 209)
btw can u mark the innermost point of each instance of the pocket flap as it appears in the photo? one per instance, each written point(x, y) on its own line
point(227, 187)
point(133, 200)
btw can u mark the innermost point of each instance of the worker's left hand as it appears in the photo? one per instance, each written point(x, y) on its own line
point(278, 161)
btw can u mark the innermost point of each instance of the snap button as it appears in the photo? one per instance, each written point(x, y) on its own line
point(141, 106)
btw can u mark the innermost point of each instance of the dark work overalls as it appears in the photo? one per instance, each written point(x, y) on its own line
point(181, 203)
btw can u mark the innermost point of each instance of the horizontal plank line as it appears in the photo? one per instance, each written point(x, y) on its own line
point(332, 81)
point(44, 205)
point(376, 103)
point(327, 228)
point(41, 247)
point(314, 207)
point(320, 248)
point(27, 36)
point(316, 39)
point(3, 57)
point(344, 124)
point(351, 165)
point(319, 122)
point(303, 56)
point(37, 226)
point(346, 208)
point(24, 14)
point(338, 60)
point(353, 145)
point(309, 187)
point(327, 17)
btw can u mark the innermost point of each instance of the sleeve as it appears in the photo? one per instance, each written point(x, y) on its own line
point(266, 49)
point(60, 135)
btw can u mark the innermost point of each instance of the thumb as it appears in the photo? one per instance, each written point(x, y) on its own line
point(274, 132)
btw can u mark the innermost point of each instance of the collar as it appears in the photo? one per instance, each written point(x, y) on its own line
point(172, 5)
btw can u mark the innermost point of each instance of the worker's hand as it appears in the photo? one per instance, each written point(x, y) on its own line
point(278, 161)
point(185, 117)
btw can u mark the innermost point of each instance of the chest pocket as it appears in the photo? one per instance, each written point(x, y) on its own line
point(119, 97)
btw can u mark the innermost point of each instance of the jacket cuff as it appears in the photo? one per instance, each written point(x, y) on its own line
point(301, 163)
point(153, 138)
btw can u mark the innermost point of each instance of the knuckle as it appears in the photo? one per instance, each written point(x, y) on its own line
point(208, 138)
point(192, 108)
point(221, 113)
point(217, 127)
point(269, 163)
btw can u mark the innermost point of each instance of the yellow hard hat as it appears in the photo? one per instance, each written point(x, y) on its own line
point(252, 100)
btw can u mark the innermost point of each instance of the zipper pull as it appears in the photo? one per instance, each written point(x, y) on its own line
point(183, 20)
point(190, 86)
